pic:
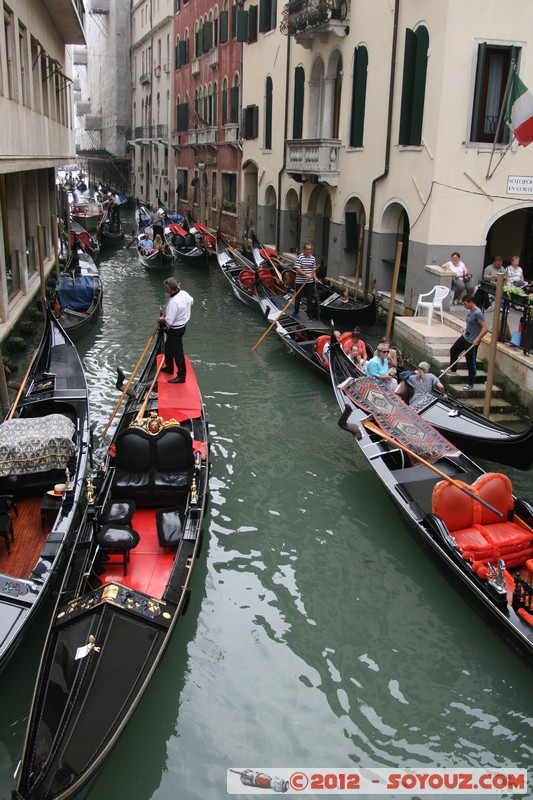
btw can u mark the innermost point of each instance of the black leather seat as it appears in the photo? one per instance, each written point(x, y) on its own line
point(168, 522)
point(118, 540)
point(119, 512)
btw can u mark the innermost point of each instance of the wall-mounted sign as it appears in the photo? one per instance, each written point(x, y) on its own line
point(519, 184)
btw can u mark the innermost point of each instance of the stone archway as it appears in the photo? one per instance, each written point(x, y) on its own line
point(511, 234)
point(267, 228)
point(318, 222)
point(394, 227)
point(290, 227)
point(249, 197)
point(350, 253)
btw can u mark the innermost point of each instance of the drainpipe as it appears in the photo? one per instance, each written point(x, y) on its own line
point(387, 145)
point(285, 130)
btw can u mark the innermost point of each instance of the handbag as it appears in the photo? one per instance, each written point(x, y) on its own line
point(468, 277)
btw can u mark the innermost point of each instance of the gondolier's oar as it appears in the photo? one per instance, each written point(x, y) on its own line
point(127, 386)
point(294, 296)
point(22, 385)
point(140, 415)
point(459, 359)
point(370, 425)
point(276, 270)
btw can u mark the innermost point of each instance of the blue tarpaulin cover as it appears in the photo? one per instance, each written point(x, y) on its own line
point(75, 293)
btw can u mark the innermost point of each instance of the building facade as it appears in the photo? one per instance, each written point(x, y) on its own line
point(102, 94)
point(375, 122)
point(207, 131)
point(36, 137)
point(152, 98)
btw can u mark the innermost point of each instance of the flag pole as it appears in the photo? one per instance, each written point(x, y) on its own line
point(512, 70)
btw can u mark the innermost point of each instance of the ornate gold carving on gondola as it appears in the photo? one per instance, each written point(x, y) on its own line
point(90, 491)
point(153, 424)
point(110, 593)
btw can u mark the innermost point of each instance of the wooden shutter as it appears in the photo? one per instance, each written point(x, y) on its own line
point(264, 15)
point(207, 37)
point(242, 25)
point(268, 114)
point(223, 26)
point(234, 104)
point(298, 108)
point(183, 117)
point(252, 24)
point(419, 84)
point(409, 62)
point(360, 71)
point(352, 230)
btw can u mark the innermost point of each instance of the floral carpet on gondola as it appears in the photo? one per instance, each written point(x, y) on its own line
point(398, 420)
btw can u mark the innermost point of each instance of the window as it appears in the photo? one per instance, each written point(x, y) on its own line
point(268, 113)
point(182, 120)
point(298, 104)
point(267, 15)
point(181, 183)
point(224, 25)
point(357, 121)
point(234, 101)
point(229, 192)
point(252, 24)
point(224, 101)
point(414, 86)
point(213, 190)
point(250, 122)
point(492, 73)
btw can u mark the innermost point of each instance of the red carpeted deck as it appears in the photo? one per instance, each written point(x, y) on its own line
point(149, 565)
point(178, 401)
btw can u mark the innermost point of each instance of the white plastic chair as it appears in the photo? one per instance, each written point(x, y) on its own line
point(433, 300)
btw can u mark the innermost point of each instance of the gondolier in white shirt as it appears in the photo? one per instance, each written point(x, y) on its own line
point(176, 317)
point(305, 268)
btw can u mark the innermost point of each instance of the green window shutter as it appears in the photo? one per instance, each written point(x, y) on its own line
point(255, 122)
point(207, 35)
point(234, 104)
point(197, 43)
point(186, 52)
point(183, 117)
point(234, 10)
point(360, 70)
point(407, 86)
point(352, 230)
point(264, 15)
point(250, 122)
point(476, 110)
point(419, 84)
point(268, 114)
point(177, 56)
point(182, 52)
point(298, 108)
point(224, 106)
point(223, 26)
point(252, 24)
point(242, 25)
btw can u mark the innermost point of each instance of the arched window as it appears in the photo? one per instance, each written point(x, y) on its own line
point(234, 101)
point(225, 101)
point(298, 106)
point(215, 104)
point(268, 113)
point(414, 86)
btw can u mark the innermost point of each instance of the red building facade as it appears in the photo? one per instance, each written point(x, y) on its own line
point(207, 92)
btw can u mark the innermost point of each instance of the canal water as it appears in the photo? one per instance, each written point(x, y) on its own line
point(318, 634)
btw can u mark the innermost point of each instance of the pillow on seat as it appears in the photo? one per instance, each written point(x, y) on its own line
point(168, 522)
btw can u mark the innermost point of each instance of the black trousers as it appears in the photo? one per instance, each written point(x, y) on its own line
point(309, 292)
point(174, 350)
point(459, 346)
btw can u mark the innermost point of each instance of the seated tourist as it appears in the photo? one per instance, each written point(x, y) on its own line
point(378, 367)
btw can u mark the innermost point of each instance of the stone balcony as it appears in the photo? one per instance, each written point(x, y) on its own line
point(308, 20)
point(315, 160)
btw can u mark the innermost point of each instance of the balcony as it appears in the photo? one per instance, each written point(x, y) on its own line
point(79, 56)
point(202, 136)
point(138, 133)
point(166, 67)
point(161, 131)
point(315, 160)
point(145, 78)
point(155, 172)
point(307, 20)
point(231, 132)
point(97, 6)
point(195, 66)
point(82, 108)
point(213, 57)
point(157, 72)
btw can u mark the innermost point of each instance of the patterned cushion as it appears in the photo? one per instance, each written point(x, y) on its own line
point(36, 445)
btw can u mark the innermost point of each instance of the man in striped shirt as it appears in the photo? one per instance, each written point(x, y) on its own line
point(305, 268)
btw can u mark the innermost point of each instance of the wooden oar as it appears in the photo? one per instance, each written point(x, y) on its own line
point(140, 415)
point(295, 295)
point(22, 385)
point(459, 359)
point(370, 425)
point(125, 390)
point(276, 270)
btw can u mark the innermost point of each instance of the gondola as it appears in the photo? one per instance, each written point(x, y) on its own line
point(44, 448)
point(303, 337)
point(110, 231)
point(469, 431)
point(78, 296)
point(79, 237)
point(467, 521)
point(114, 620)
point(344, 311)
point(158, 259)
point(240, 273)
point(208, 235)
point(185, 246)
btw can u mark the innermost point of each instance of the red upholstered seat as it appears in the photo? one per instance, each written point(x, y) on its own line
point(480, 533)
point(247, 279)
point(289, 278)
point(346, 342)
point(320, 342)
point(266, 277)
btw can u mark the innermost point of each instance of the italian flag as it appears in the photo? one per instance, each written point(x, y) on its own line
point(519, 114)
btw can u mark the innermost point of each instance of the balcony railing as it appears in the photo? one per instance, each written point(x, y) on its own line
point(145, 78)
point(166, 66)
point(202, 135)
point(195, 66)
point(314, 159)
point(306, 19)
point(213, 57)
point(157, 72)
point(231, 132)
point(138, 133)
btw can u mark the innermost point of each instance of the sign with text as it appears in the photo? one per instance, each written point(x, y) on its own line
point(519, 184)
